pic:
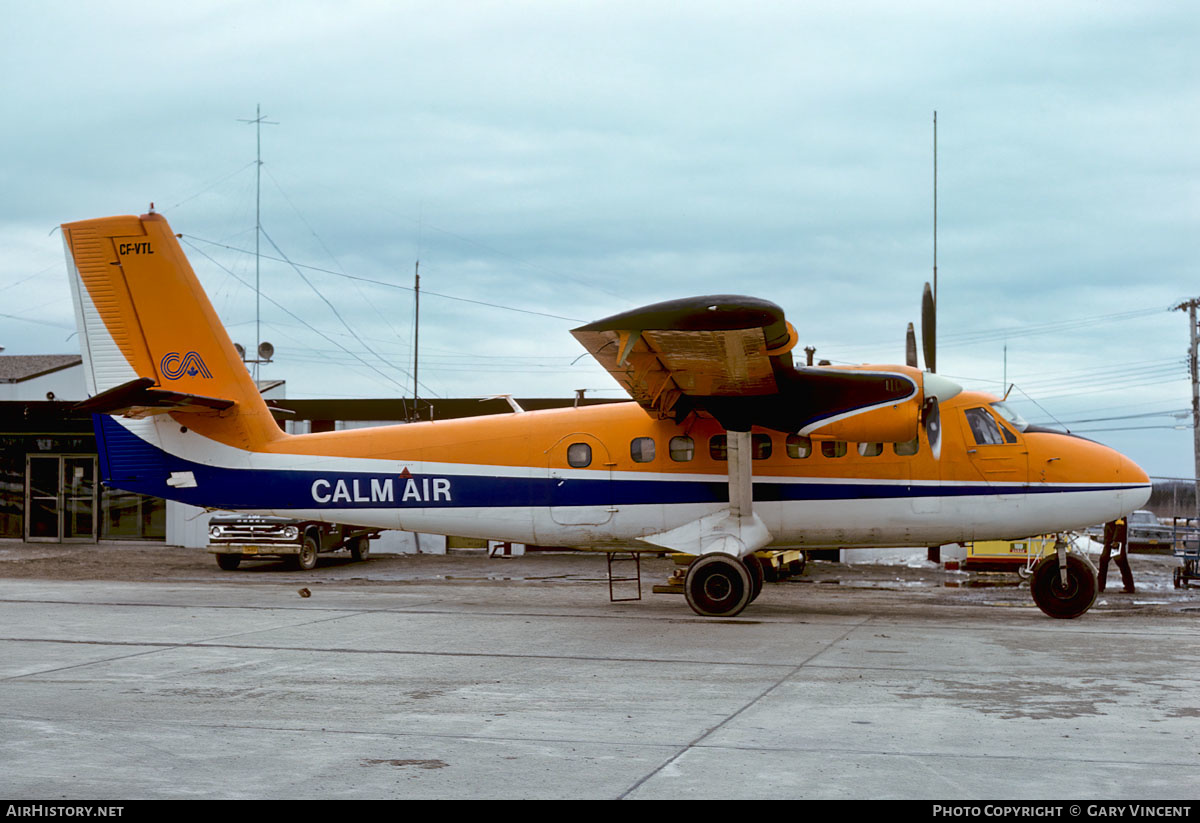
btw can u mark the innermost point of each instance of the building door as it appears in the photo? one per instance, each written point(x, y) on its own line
point(60, 498)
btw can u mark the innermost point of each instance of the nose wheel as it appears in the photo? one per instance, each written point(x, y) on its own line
point(1063, 595)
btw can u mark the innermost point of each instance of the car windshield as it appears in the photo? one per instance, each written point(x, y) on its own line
point(1015, 420)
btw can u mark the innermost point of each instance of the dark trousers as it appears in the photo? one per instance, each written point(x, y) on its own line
point(1116, 536)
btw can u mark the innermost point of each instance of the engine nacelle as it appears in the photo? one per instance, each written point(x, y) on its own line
point(867, 404)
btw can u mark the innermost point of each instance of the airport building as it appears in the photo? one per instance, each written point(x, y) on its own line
point(49, 469)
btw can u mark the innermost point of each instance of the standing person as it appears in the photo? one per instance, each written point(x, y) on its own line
point(1116, 535)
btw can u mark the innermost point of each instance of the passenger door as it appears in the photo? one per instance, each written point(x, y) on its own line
point(579, 471)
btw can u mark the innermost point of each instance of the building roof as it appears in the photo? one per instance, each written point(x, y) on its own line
point(17, 368)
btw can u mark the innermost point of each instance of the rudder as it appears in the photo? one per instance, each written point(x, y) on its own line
point(147, 329)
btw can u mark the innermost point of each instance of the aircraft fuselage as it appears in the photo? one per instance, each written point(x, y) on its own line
point(603, 477)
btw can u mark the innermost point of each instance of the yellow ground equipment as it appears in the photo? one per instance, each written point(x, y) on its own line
point(1006, 555)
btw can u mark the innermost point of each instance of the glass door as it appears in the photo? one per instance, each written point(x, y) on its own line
point(79, 498)
point(41, 498)
point(60, 497)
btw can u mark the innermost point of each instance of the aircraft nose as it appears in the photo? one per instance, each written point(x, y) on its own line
point(1130, 472)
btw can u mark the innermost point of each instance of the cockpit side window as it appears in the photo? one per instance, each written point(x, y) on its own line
point(986, 430)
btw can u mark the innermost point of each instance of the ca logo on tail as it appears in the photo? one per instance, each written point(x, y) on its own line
point(174, 366)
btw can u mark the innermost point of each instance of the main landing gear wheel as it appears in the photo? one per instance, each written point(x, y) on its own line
point(718, 585)
point(1057, 600)
point(758, 574)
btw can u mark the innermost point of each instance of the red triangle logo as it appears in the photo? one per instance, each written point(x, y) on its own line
point(406, 472)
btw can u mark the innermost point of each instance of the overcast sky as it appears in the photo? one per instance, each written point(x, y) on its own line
point(577, 159)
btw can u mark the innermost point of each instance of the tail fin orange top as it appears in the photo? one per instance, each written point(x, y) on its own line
point(144, 317)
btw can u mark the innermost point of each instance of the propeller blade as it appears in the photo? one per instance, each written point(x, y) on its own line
point(910, 347)
point(937, 390)
point(929, 328)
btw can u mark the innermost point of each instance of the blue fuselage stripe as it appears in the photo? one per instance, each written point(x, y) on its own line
point(132, 464)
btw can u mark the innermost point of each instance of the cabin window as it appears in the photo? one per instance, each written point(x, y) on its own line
point(579, 455)
point(760, 446)
point(682, 449)
point(833, 448)
point(984, 427)
point(641, 449)
point(798, 446)
point(718, 447)
point(907, 448)
point(870, 449)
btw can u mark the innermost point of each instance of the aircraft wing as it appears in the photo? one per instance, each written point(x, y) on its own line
point(730, 356)
point(718, 346)
point(139, 398)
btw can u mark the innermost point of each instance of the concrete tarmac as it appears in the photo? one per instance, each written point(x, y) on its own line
point(464, 677)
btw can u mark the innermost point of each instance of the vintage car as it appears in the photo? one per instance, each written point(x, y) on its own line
point(237, 537)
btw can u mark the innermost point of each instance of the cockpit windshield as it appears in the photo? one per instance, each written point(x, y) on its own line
point(1015, 420)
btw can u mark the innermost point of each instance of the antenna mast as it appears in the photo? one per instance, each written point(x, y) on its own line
point(416, 335)
point(257, 121)
point(935, 283)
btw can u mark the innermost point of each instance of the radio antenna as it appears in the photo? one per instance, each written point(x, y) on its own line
point(258, 122)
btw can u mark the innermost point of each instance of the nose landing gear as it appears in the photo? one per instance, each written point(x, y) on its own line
point(1063, 584)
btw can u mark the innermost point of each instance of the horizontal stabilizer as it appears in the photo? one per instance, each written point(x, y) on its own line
point(139, 398)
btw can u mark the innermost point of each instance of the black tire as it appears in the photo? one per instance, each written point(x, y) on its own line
point(306, 560)
point(754, 566)
point(771, 572)
point(717, 585)
point(229, 562)
point(1056, 600)
point(796, 567)
point(360, 547)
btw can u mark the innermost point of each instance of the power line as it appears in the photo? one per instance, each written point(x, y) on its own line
point(301, 320)
point(388, 285)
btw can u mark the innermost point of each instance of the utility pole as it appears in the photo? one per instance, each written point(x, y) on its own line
point(1190, 305)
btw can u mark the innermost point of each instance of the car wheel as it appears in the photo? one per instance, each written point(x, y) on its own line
point(306, 560)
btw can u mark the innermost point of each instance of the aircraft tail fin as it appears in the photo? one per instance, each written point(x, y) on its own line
point(150, 339)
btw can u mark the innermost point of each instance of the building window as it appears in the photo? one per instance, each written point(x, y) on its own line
point(798, 446)
point(579, 455)
point(641, 449)
point(682, 449)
